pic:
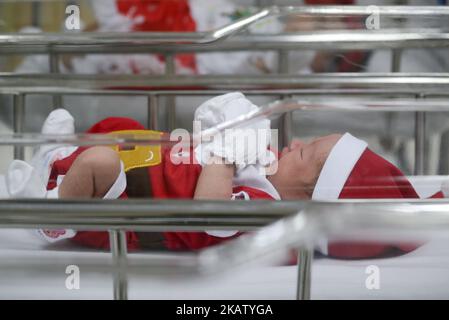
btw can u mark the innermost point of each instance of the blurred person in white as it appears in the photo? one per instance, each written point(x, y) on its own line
point(217, 12)
point(153, 15)
point(199, 16)
point(185, 16)
point(417, 59)
point(163, 16)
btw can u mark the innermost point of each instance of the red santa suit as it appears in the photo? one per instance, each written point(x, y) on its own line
point(165, 180)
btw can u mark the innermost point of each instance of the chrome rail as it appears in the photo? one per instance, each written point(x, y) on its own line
point(295, 225)
point(139, 38)
point(396, 11)
point(271, 111)
point(138, 215)
point(58, 83)
point(317, 40)
point(198, 41)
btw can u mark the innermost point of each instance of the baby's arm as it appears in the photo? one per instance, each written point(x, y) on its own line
point(215, 181)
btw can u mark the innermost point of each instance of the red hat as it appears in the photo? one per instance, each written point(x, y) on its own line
point(352, 171)
point(115, 124)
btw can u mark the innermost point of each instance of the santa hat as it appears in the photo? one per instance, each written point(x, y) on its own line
point(352, 171)
point(112, 124)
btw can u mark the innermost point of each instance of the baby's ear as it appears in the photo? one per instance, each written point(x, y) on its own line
point(296, 142)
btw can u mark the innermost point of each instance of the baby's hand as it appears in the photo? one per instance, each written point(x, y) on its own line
point(242, 146)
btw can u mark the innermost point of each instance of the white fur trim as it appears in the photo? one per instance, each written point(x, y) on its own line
point(242, 195)
point(427, 186)
point(252, 177)
point(55, 235)
point(119, 185)
point(336, 170)
point(338, 166)
point(53, 193)
point(221, 233)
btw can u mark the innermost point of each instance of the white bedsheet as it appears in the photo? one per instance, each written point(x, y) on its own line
point(31, 269)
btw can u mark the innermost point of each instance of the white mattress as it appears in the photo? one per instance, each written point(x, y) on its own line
point(30, 269)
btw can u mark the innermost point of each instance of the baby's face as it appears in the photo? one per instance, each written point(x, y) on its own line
point(300, 165)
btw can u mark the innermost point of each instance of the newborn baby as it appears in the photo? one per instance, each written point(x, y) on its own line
point(328, 168)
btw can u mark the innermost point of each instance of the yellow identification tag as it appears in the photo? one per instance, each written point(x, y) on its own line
point(139, 156)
